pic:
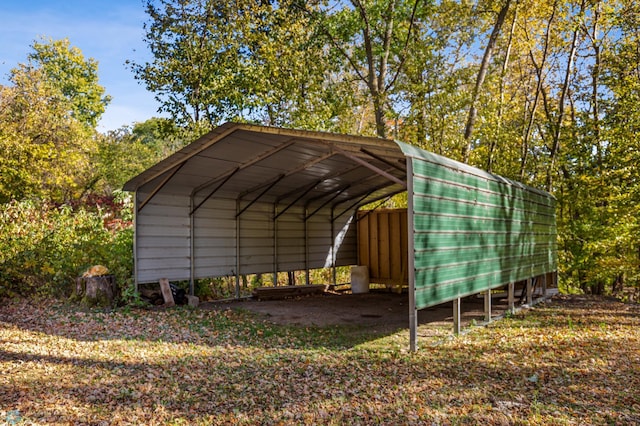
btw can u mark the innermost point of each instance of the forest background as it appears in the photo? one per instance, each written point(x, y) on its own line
point(543, 92)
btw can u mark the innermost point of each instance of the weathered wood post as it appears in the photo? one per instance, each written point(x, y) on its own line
point(456, 316)
point(511, 297)
point(487, 306)
point(166, 292)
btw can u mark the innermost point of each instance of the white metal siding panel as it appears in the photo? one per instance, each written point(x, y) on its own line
point(347, 251)
point(256, 239)
point(215, 238)
point(291, 238)
point(162, 245)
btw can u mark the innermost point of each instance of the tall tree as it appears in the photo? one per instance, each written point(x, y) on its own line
point(46, 151)
point(214, 61)
point(503, 73)
point(555, 145)
point(47, 115)
point(197, 61)
point(482, 72)
point(374, 39)
point(66, 68)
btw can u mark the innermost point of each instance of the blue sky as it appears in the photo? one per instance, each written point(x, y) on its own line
point(109, 31)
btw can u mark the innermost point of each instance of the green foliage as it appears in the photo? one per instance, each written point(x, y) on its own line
point(46, 125)
point(125, 152)
point(198, 68)
point(43, 247)
point(73, 75)
point(557, 110)
point(248, 61)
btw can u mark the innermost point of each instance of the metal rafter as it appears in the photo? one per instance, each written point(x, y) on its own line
point(338, 192)
point(368, 192)
point(289, 173)
point(226, 179)
point(160, 186)
point(319, 181)
point(274, 183)
point(307, 189)
point(371, 166)
point(367, 179)
point(244, 165)
point(397, 166)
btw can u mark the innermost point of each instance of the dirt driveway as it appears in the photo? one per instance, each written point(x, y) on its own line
point(382, 312)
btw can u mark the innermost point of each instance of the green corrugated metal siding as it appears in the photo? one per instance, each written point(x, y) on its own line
point(474, 231)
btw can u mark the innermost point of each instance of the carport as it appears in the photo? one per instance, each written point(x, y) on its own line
point(248, 199)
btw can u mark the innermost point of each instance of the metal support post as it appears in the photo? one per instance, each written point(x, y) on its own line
point(456, 316)
point(511, 297)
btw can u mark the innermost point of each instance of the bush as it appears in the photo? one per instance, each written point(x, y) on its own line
point(43, 247)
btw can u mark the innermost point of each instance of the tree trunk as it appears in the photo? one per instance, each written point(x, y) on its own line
point(595, 82)
point(376, 77)
point(505, 65)
point(563, 96)
point(482, 73)
point(539, 69)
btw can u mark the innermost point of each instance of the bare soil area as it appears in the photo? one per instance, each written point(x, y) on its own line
point(380, 311)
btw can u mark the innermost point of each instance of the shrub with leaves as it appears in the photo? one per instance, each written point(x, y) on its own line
point(43, 247)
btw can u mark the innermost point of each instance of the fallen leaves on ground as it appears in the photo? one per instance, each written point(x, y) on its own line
point(573, 361)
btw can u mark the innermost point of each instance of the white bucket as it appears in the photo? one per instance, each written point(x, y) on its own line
point(359, 279)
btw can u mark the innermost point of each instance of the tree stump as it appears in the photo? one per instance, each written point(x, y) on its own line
point(98, 291)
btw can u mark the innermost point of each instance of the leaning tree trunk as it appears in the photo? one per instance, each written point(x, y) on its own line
point(505, 64)
point(563, 96)
point(539, 73)
point(484, 66)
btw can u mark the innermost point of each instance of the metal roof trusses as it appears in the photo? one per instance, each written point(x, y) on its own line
point(362, 159)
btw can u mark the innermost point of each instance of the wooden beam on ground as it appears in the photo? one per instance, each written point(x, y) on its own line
point(284, 292)
point(166, 292)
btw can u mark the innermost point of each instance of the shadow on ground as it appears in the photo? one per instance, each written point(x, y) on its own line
point(380, 311)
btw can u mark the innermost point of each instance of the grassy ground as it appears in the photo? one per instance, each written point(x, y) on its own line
point(572, 361)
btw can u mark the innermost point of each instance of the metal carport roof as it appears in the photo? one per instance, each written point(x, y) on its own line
point(275, 165)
